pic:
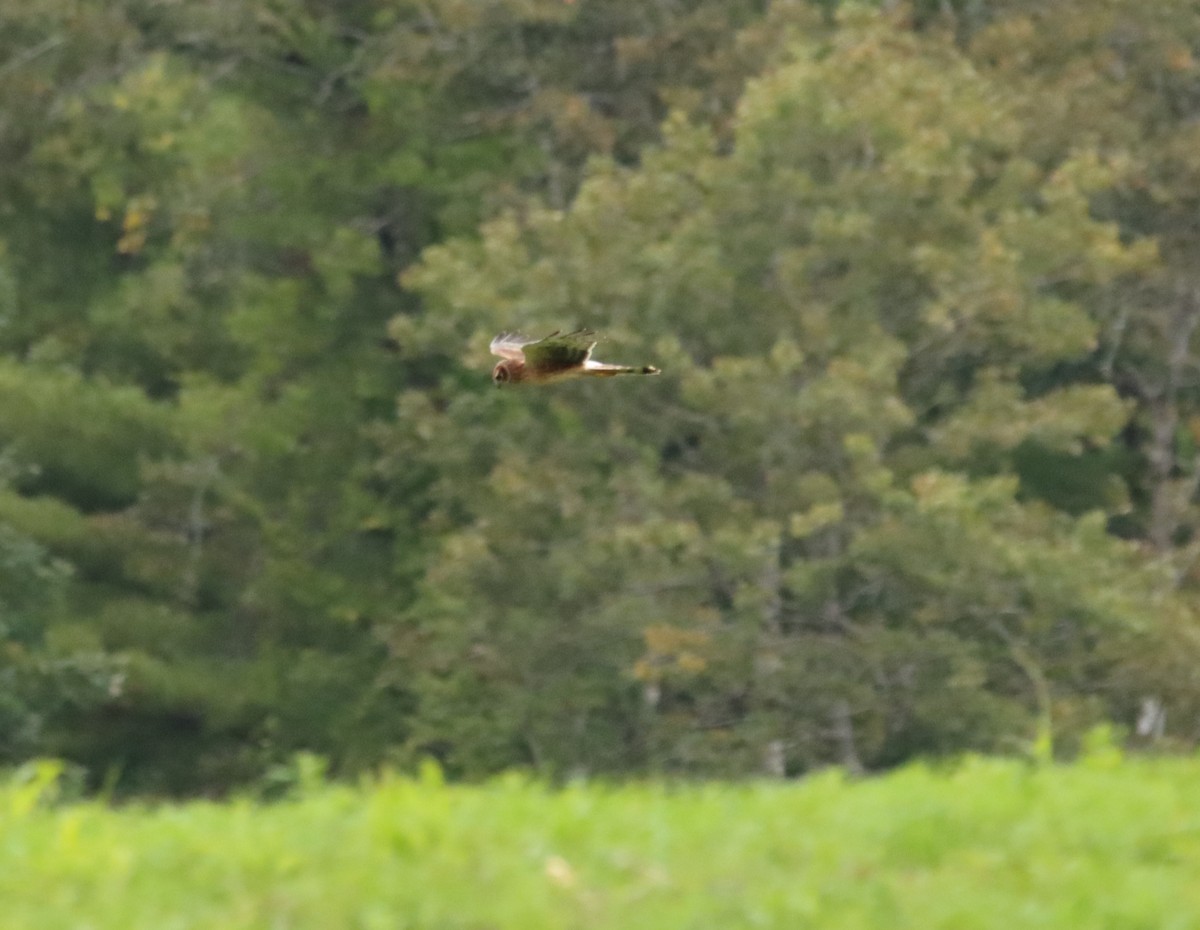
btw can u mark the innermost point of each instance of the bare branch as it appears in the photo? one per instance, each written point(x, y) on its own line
point(30, 54)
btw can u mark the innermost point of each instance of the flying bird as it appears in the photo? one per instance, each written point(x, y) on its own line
point(554, 358)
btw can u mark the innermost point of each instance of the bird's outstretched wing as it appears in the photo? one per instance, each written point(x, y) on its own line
point(559, 352)
point(509, 345)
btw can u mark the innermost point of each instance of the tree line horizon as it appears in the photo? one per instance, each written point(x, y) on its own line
point(919, 476)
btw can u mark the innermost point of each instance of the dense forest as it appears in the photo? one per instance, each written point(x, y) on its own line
point(920, 475)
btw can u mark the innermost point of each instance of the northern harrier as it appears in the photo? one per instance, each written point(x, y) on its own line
point(552, 359)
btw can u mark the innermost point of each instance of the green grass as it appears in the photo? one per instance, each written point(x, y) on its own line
point(978, 844)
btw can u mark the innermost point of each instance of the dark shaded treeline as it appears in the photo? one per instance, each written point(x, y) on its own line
point(919, 477)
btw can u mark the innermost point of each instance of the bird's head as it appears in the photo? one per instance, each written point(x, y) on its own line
point(502, 374)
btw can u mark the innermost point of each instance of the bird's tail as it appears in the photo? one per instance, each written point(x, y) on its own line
point(603, 370)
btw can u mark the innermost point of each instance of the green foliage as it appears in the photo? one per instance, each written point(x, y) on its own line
point(967, 846)
point(920, 476)
point(804, 545)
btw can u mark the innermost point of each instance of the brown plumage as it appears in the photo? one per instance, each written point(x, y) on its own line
point(554, 358)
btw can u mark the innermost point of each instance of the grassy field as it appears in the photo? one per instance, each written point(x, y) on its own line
point(980, 843)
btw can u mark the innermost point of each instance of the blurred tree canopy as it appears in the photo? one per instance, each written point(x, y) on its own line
point(920, 475)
